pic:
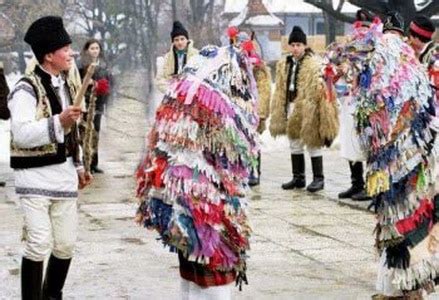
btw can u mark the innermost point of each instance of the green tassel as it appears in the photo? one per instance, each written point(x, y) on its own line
point(421, 183)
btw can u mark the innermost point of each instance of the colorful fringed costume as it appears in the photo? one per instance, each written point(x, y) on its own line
point(392, 116)
point(199, 152)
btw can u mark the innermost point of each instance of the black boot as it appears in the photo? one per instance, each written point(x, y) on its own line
point(318, 182)
point(359, 193)
point(298, 166)
point(56, 274)
point(361, 196)
point(357, 182)
point(31, 279)
point(94, 164)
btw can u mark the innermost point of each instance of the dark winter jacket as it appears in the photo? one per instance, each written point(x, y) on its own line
point(4, 91)
point(101, 72)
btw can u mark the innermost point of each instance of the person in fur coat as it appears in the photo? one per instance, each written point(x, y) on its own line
point(262, 75)
point(301, 109)
point(182, 49)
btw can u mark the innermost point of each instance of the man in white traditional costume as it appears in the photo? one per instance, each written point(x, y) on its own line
point(46, 159)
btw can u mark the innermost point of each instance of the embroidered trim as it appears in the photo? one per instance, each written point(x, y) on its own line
point(52, 135)
point(47, 193)
point(22, 87)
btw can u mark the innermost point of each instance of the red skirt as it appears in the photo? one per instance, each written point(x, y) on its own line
point(202, 275)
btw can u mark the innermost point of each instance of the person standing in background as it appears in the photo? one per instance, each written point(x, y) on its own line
point(4, 111)
point(92, 52)
point(182, 49)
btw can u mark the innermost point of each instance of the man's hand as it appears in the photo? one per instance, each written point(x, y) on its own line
point(69, 116)
point(85, 178)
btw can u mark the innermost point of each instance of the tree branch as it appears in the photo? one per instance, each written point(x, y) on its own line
point(376, 6)
point(330, 10)
point(431, 9)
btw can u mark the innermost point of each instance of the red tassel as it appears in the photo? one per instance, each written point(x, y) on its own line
point(248, 46)
point(376, 20)
point(425, 211)
point(232, 32)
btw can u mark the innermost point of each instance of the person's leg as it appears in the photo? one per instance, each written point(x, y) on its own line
point(360, 194)
point(95, 158)
point(36, 234)
point(318, 182)
point(297, 166)
point(220, 292)
point(255, 178)
point(63, 215)
point(184, 289)
point(354, 188)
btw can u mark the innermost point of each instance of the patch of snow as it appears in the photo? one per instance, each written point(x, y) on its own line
point(284, 6)
point(268, 20)
point(239, 18)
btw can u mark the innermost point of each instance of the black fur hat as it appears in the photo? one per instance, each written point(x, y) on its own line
point(364, 17)
point(47, 35)
point(394, 21)
point(297, 36)
point(178, 29)
point(422, 27)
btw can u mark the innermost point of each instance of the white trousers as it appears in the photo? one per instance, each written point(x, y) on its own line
point(191, 291)
point(50, 226)
point(297, 147)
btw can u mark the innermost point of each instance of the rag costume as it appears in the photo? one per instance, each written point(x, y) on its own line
point(199, 155)
point(394, 102)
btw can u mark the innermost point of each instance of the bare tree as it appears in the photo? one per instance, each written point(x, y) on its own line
point(406, 8)
point(21, 13)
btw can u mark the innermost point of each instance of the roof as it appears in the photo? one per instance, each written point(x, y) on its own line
point(284, 6)
point(256, 14)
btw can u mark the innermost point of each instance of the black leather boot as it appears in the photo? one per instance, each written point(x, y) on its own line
point(56, 275)
point(298, 166)
point(94, 164)
point(31, 279)
point(357, 182)
point(318, 182)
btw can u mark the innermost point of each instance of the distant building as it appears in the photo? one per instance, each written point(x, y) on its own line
point(274, 19)
point(257, 18)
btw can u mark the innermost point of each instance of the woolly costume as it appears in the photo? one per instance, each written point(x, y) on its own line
point(320, 125)
point(171, 67)
point(301, 109)
point(262, 76)
point(199, 153)
point(392, 116)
